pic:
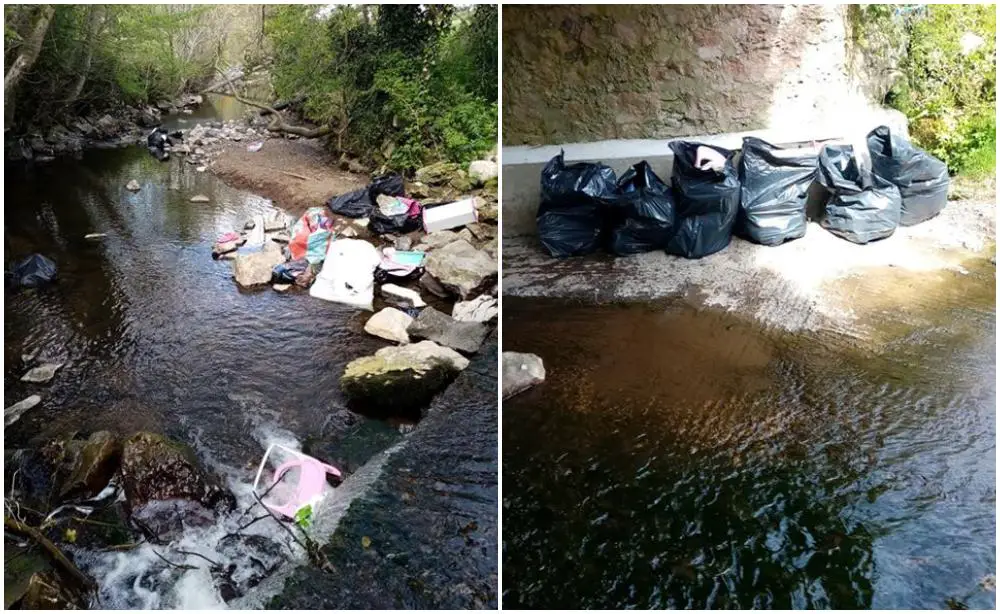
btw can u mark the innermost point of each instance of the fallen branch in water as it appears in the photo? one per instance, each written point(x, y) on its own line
point(202, 556)
point(57, 555)
point(177, 565)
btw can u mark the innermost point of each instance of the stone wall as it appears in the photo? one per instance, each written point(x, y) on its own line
point(587, 73)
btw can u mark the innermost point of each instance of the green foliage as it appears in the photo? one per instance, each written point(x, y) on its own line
point(304, 517)
point(400, 85)
point(137, 53)
point(949, 92)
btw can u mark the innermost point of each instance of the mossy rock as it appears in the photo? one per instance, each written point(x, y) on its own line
point(440, 173)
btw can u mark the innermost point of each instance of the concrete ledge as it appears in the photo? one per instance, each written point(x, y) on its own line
point(522, 165)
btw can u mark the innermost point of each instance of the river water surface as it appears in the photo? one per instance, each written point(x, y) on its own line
point(678, 457)
point(155, 335)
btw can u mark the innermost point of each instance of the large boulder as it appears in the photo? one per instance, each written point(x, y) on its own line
point(165, 488)
point(389, 324)
point(520, 372)
point(441, 173)
point(401, 379)
point(482, 171)
point(255, 269)
point(461, 268)
point(443, 329)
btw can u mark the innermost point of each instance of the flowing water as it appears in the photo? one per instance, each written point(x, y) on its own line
point(679, 457)
point(155, 335)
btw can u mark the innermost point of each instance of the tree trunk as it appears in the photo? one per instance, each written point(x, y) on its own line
point(95, 19)
point(26, 58)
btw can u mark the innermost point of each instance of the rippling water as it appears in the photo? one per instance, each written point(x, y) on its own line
point(155, 335)
point(681, 458)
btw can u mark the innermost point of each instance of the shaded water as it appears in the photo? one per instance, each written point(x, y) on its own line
point(155, 335)
point(683, 458)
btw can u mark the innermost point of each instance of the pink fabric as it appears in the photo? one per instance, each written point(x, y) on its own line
point(229, 236)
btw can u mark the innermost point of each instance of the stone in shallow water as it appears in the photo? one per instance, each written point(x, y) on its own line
point(200, 198)
point(441, 328)
point(520, 372)
point(480, 309)
point(133, 186)
point(401, 297)
point(255, 269)
point(13, 413)
point(389, 324)
point(400, 379)
point(41, 374)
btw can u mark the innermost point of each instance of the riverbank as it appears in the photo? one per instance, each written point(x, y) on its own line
point(819, 282)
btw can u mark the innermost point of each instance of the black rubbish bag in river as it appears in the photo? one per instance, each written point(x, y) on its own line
point(863, 207)
point(706, 197)
point(773, 194)
point(642, 214)
point(31, 272)
point(360, 202)
point(921, 178)
point(571, 217)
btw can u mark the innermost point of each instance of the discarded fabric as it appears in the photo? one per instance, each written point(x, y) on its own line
point(311, 235)
point(395, 214)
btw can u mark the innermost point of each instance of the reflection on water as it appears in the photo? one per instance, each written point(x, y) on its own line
point(684, 459)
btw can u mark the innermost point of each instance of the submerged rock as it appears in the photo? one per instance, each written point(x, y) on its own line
point(461, 268)
point(133, 186)
point(255, 269)
point(390, 324)
point(520, 372)
point(257, 557)
point(480, 309)
point(200, 198)
point(13, 413)
point(401, 378)
point(443, 329)
point(41, 374)
point(164, 486)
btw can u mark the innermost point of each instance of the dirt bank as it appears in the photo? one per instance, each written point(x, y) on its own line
point(295, 175)
point(819, 282)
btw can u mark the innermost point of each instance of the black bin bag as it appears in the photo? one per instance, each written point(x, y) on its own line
point(921, 178)
point(863, 207)
point(571, 218)
point(773, 193)
point(642, 214)
point(360, 202)
point(31, 272)
point(706, 201)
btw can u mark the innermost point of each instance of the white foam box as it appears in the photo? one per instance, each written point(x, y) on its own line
point(453, 215)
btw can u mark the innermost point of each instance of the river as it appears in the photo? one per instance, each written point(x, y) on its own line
point(681, 457)
point(155, 335)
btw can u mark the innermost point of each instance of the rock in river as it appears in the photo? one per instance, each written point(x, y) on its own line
point(133, 186)
point(401, 297)
point(390, 324)
point(480, 309)
point(402, 378)
point(13, 413)
point(255, 269)
point(441, 328)
point(164, 485)
point(200, 198)
point(91, 466)
point(461, 268)
point(520, 372)
point(41, 374)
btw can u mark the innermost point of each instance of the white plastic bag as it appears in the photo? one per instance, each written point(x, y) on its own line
point(348, 274)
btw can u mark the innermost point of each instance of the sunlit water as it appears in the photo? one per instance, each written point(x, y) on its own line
point(155, 335)
point(684, 459)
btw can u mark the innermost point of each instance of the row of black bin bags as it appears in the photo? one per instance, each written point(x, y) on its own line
point(761, 198)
